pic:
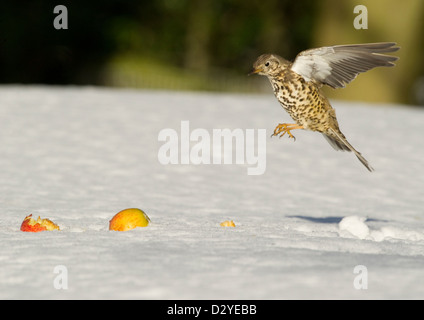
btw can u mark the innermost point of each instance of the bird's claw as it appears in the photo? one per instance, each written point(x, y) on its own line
point(283, 128)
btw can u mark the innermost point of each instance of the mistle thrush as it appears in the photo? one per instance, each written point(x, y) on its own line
point(297, 85)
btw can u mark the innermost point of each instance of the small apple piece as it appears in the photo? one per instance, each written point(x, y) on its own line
point(31, 225)
point(228, 224)
point(129, 219)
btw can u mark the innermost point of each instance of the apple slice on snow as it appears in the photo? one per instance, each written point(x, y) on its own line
point(31, 225)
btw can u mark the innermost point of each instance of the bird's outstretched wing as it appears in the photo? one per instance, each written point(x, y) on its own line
point(338, 65)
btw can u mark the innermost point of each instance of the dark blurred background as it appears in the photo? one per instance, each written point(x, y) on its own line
point(205, 45)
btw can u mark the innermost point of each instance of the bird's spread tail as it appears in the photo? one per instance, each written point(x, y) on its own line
point(339, 142)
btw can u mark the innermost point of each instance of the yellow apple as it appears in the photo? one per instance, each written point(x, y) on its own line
point(228, 224)
point(129, 219)
point(31, 225)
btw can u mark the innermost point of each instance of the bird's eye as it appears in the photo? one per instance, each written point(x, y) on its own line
point(267, 64)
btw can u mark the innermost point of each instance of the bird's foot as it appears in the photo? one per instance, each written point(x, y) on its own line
point(284, 128)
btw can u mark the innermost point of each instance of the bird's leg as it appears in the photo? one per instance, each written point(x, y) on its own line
point(284, 128)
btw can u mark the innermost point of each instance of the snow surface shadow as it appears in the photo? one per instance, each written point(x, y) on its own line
point(330, 219)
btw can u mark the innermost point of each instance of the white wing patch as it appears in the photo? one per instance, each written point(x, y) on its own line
point(311, 64)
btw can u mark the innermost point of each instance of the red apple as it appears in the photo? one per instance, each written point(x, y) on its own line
point(31, 225)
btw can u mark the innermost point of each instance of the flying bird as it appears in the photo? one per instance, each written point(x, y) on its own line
point(297, 85)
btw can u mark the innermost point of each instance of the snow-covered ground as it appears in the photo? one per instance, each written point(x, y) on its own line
point(79, 155)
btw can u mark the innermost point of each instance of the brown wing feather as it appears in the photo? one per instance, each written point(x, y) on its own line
point(338, 65)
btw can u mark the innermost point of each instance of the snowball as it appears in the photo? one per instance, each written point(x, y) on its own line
point(355, 226)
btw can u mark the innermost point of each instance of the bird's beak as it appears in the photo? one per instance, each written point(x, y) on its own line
point(254, 71)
